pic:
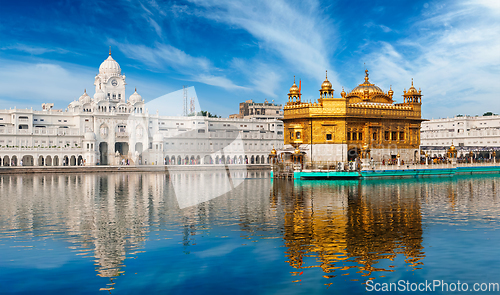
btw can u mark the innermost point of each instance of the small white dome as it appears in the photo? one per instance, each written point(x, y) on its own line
point(135, 97)
point(85, 98)
point(74, 104)
point(110, 66)
point(89, 136)
point(99, 95)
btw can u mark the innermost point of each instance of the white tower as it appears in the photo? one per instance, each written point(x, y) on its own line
point(111, 82)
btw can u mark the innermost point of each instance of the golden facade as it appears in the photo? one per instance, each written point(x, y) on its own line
point(365, 119)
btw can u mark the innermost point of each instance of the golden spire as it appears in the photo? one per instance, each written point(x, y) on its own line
point(366, 77)
point(109, 50)
point(412, 82)
point(85, 91)
point(326, 75)
point(135, 89)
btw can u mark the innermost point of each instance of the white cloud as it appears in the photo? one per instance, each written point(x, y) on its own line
point(164, 57)
point(34, 50)
point(453, 55)
point(299, 35)
point(217, 81)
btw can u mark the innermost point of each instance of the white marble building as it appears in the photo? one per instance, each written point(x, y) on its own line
point(108, 129)
point(479, 134)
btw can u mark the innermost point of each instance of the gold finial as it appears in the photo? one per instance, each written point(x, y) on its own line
point(412, 82)
point(85, 91)
point(135, 89)
point(109, 50)
point(326, 76)
point(294, 79)
point(366, 77)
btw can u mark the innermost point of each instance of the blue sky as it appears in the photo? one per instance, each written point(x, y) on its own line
point(231, 51)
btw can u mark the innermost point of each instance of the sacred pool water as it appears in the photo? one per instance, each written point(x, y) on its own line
point(135, 233)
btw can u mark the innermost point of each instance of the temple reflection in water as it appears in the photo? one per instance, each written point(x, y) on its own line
point(351, 228)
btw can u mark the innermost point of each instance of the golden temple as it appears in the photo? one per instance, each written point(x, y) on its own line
point(366, 122)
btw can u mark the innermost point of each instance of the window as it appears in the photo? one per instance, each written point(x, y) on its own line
point(374, 136)
point(387, 135)
point(354, 136)
point(328, 137)
point(394, 135)
point(348, 135)
point(298, 135)
point(291, 135)
point(360, 136)
point(401, 135)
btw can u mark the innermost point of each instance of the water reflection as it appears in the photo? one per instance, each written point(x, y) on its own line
point(358, 229)
point(346, 225)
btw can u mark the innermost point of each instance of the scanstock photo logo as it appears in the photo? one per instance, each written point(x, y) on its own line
point(220, 164)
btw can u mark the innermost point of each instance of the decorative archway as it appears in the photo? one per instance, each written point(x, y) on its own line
point(41, 161)
point(103, 153)
point(28, 160)
point(48, 161)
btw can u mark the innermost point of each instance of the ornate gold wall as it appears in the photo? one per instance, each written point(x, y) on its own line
point(366, 116)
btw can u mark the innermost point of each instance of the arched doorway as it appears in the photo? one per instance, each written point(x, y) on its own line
point(73, 161)
point(103, 151)
point(139, 147)
point(172, 160)
point(65, 161)
point(252, 160)
point(28, 160)
point(352, 154)
point(56, 161)
point(80, 161)
point(41, 161)
point(122, 148)
point(198, 160)
point(6, 161)
point(48, 161)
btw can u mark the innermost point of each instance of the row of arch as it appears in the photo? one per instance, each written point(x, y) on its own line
point(29, 160)
point(192, 160)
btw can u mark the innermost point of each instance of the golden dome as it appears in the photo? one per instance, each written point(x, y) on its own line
point(390, 92)
point(326, 84)
point(273, 151)
point(297, 150)
point(412, 89)
point(294, 89)
point(366, 86)
point(452, 148)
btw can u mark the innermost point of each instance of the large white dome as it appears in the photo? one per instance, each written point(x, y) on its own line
point(110, 66)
